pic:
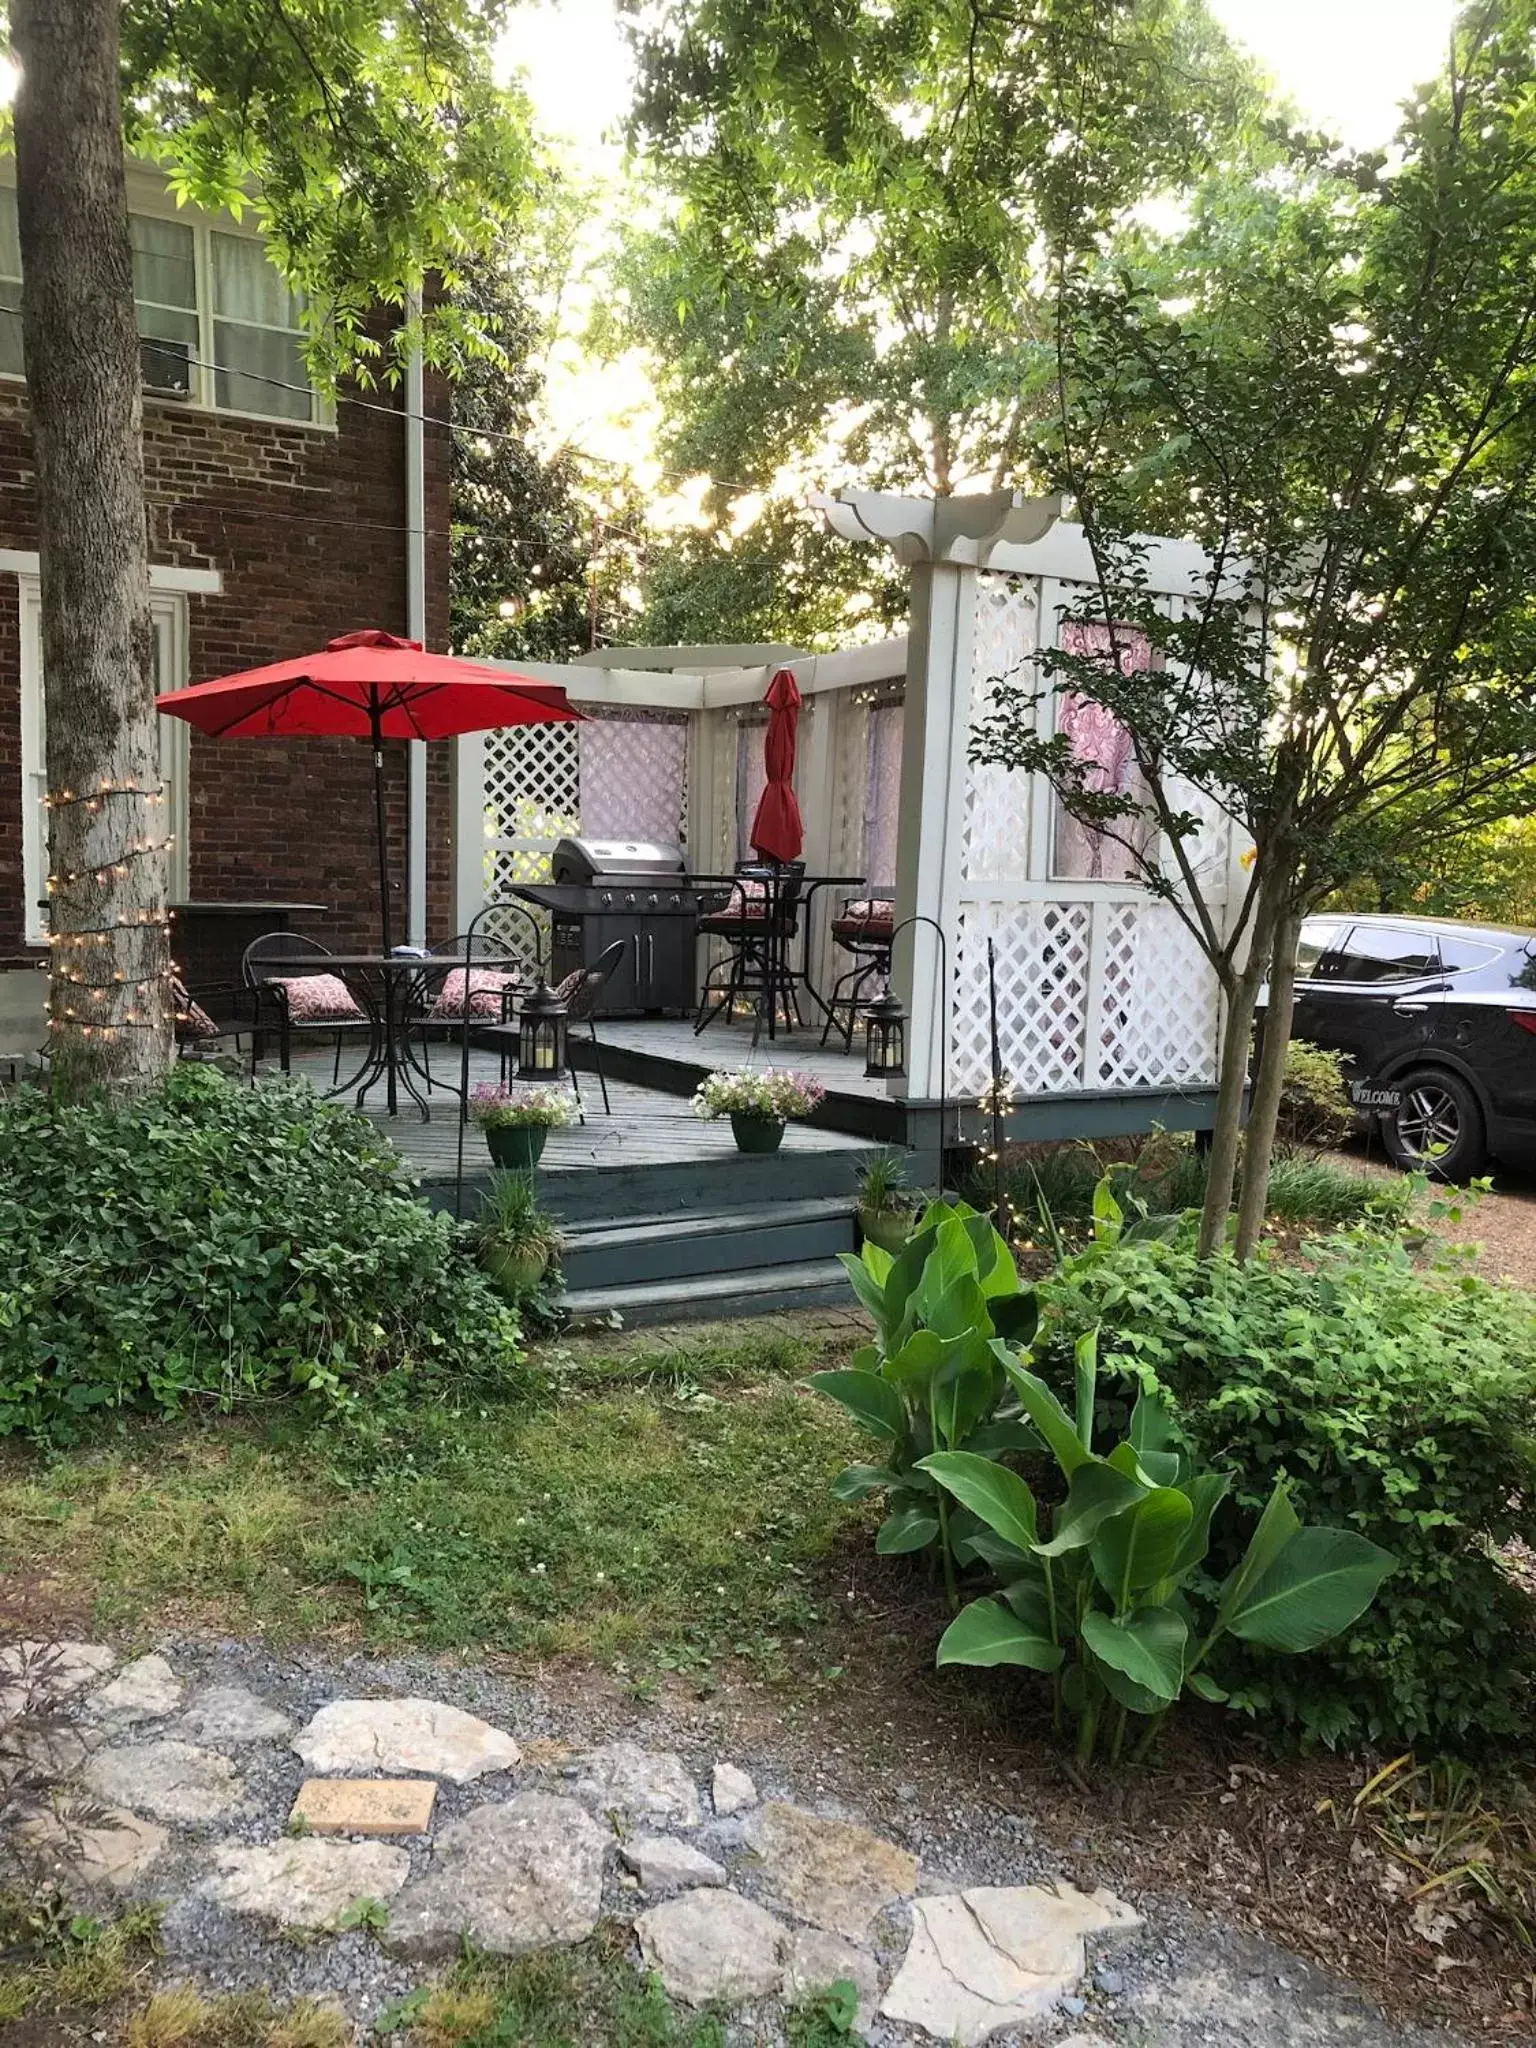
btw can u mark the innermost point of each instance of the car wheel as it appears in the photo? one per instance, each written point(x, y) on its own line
point(1439, 1127)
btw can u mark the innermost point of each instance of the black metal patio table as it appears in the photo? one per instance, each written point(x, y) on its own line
point(780, 972)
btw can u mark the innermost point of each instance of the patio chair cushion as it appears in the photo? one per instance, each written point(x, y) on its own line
point(747, 899)
point(564, 990)
point(318, 999)
point(870, 909)
point(192, 1020)
point(487, 988)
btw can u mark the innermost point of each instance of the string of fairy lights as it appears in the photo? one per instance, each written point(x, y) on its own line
point(70, 962)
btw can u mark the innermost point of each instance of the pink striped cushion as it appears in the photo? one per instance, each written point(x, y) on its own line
point(318, 999)
point(486, 988)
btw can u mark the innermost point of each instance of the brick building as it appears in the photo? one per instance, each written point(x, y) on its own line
point(276, 521)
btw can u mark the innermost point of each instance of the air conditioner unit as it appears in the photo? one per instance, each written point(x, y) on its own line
point(166, 367)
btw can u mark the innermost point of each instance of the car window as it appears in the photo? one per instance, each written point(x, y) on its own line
point(1386, 953)
point(1315, 941)
point(1457, 956)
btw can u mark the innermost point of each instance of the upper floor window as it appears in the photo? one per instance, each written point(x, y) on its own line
point(217, 325)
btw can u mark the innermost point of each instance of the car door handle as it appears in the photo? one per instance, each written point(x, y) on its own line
point(1409, 1009)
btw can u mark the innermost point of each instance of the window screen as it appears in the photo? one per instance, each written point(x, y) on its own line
point(10, 285)
point(258, 349)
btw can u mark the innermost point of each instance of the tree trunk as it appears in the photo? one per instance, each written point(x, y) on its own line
point(1264, 1110)
point(1226, 1133)
point(110, 1011)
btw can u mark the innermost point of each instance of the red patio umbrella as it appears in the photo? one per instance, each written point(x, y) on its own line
point(778, 832)
point(368, 686)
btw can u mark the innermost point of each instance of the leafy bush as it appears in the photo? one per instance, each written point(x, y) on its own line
point(1396, 1402)
point(216, 1242)
point(1315, 1109)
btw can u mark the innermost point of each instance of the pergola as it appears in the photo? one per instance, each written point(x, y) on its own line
point(1108, 1013)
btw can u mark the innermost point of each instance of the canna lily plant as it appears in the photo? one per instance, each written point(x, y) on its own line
point(1095, 1592)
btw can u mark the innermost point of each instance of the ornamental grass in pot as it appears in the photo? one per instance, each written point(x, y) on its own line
point(759, 1101)
point(887, 1209)
point(516, 1121)
point(517, 1240)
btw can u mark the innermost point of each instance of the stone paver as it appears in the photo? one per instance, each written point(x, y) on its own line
point(996, 1956)
point(403, 1735)
point(816, 1960)
point(82, 1843)
point(34, 1675)
point(517, 1876)
point(171, 1780)
point(366, 1806)
point(712, 1945)
point(234, 1714)
point(833, 1873)
point(647, 1788)
point(145, 1690)
point(302, 1883)
point(38, 1752)
point(665, 1865)
point(731, 1790)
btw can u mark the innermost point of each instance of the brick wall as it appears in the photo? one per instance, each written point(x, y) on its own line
point(306, 526)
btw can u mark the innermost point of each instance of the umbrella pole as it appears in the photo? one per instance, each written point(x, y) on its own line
point(376, 719)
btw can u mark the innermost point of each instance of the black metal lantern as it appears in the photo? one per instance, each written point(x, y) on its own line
point(541, 1036)
point(885, 1036)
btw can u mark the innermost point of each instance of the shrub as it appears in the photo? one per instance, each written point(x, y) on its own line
point(1398, 1403)
point(210, 1241)
point(1315, 1109)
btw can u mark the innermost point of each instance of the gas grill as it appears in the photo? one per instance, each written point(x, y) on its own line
point(635, 890)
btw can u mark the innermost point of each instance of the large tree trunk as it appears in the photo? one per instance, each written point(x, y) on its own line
point(1264, 1110)
point(111, 1014)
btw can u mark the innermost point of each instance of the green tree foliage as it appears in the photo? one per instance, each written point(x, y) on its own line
point(848, 282)
point(1329, 381)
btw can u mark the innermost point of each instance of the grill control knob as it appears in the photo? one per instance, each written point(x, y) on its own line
point(653, 899)
point(629, 899)
point(606, 898)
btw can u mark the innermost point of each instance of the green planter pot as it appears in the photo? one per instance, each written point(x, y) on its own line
point(888, 1228)
point(516, 1147)
point(514, 1272)
point(757, 1133)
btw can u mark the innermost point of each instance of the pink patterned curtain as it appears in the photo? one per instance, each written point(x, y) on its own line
point(882, 795)
point(632, 776)
point(1081, 853)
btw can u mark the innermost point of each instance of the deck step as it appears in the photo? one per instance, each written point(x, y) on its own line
point(714, 1297)
point(646, 1248)
point(609, 1194)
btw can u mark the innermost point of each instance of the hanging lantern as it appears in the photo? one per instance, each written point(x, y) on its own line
point(541, 1036)
point(885, 1036)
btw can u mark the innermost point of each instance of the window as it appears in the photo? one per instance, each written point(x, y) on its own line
point(10, 285)
point(1460, 956)
point(217, 325)
point(1315, 941)
point(1088, 853)
point(1384, 953)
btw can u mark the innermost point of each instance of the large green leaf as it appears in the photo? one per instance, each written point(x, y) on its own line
point(953, 1257)
point(999, 1496)
point(1277, 1525)
point(962, 1395)
point(915, 1362)
point(1046, 1413)
point(959, 1314)
point(988, 1633)
point(856, 1482)
point(907, 1529)
point(1027, 1597)
point(906, 1271)
point(1108, 1215)
point(1016, 1317)
point(996, 1271)
point(1320, 1582)
point(1085, 1380)
point(1136, 1548)
point(1004, 1557)
point(873, 1400)
point(993, 1438)
point(1148, 1646)
point(1206, 1492)
point(1125, 1691)
point(1096, 1492)
point(1153, 1435)
point(864, 1284)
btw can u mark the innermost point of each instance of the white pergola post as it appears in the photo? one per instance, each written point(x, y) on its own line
point(944, 541)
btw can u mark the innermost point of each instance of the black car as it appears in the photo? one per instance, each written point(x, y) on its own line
point(1443, 1013)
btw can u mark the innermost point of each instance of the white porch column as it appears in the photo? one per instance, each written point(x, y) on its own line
point(469, 893)
point(944, 541)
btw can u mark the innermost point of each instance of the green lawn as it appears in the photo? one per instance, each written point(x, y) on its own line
point(650, 1509)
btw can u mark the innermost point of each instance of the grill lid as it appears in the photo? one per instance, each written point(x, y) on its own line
point(594, 860)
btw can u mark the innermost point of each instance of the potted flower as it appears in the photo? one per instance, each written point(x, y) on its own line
point(517, 1240)
point(516, 1121)
point(887, 1209)
point(758, 1101)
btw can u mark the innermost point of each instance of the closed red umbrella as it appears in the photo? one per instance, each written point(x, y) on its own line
point(370, 686)
point(778, 833)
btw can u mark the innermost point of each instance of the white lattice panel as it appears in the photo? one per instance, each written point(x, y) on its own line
point(996, 826)
point(1042, 996)
point(1160, 1011)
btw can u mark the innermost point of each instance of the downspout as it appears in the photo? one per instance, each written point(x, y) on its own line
point(416, 626)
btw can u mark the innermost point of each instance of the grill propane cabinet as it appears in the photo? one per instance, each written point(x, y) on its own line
point(635, 890)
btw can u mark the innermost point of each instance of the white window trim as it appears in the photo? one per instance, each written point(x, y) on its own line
point(170, 586)
point(144, 197)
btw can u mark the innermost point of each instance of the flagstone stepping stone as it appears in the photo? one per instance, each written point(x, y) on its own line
point(403, 1735)
point(647, 1788)
point(142, 1691)
point(996, 1956)
point(521, 1875)
point(816, 1960)
point(304, 1883)
point(833, 1873)
point(665, 1865)
point(713, 1945)
point(365, 1806)
point(731, 1790)
point(34, 1675)
point(87, 1844)
point(171, 1780)
point(39, 1752)
point(231, 1713)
